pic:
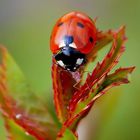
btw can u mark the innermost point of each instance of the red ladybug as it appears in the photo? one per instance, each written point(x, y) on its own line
point(73, 37)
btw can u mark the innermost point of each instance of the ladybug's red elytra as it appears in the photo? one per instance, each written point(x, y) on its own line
point(73, 37)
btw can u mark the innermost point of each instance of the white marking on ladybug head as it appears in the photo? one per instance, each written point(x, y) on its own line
point(61, 63)
point(79, 61)
point(62, 44)
point(73, 45)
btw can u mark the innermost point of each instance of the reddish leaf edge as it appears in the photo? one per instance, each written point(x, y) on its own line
point(85, 110)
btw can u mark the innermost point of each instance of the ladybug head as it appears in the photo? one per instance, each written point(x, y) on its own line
point(68, 57)
point(73, 37)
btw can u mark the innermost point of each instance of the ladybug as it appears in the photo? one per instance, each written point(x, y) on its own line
point(73, 37)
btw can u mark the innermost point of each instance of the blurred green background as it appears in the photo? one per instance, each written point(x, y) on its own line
point(25, 27)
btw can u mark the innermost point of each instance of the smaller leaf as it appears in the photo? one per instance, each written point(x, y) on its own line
point(121, 76)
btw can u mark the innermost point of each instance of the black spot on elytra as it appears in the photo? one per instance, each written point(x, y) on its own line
point(91, 39)
point(79, 24)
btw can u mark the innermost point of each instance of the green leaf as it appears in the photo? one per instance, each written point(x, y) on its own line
point(20, 103)
point(3, 133)
point(15, 132)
